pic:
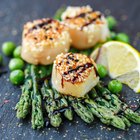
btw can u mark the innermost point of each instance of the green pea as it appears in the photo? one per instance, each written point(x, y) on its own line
point(123, 37)
point(16, 63)
point(112, 22)
point(17, 77)
point(102, 71)
point(17, 52)
point(8, 48)
point(115, 86)
point(1, 59)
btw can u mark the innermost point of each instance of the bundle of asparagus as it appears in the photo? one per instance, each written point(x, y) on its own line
point(54, 104)
point(50, 105)
point(31, 97)
point(105, 115)
point(117, 105)
point(82, 111)
point(99, 102)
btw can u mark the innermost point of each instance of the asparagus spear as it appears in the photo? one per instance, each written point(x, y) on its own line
point(24, 104)
point(68, 113)
point(55, 118)
point(115, 101)
point(94, 95)
point(61, 102)
point(131, 115)
point(82, 111)
point(37, 115)
point(50, 105)
point(106, 116)
point(126, 121)
point(102, 102)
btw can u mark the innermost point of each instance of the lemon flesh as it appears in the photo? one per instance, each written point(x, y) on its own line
point(122, 62)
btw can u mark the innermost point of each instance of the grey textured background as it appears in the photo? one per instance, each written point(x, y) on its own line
point(13, 14)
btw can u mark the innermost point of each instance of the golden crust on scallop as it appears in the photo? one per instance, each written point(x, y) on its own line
point(84, 19)
point(43, 40)
point(74, 67)
point(74, 74)
point(43, 30)
point(74, 11)
point(86, 27)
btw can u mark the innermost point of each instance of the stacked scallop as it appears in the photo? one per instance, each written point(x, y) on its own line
point(44, 39)
point(74, 74)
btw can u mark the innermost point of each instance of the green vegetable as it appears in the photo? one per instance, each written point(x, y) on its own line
point(126, 121)
point(17, 52)
point(51, 105)
point(115, 86)
point(111, 22)
point(16, 63)
point(82, 111)
point(122, 37)
point(105, 115)
point(114, 108)
point(24, 105)
point(59, 13)
point(117, 104)
point(1, 59)
point(68, 113)
point(37, 114)
point(8, 48)
point(17, 77)
point(131, 115)
point(54, 104)
point(63, 104)
point(102, 71)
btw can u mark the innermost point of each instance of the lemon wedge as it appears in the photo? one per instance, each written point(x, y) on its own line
point(122, 62)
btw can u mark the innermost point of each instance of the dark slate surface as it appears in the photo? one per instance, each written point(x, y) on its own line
point(13, 14)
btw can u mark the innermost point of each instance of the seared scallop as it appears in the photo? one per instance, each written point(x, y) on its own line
point(86, 27)
point(74, 74)
point(43, 40)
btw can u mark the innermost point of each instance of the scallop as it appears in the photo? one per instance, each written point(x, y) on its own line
point(43, 40)
point(86, 27)
point(74, 74)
